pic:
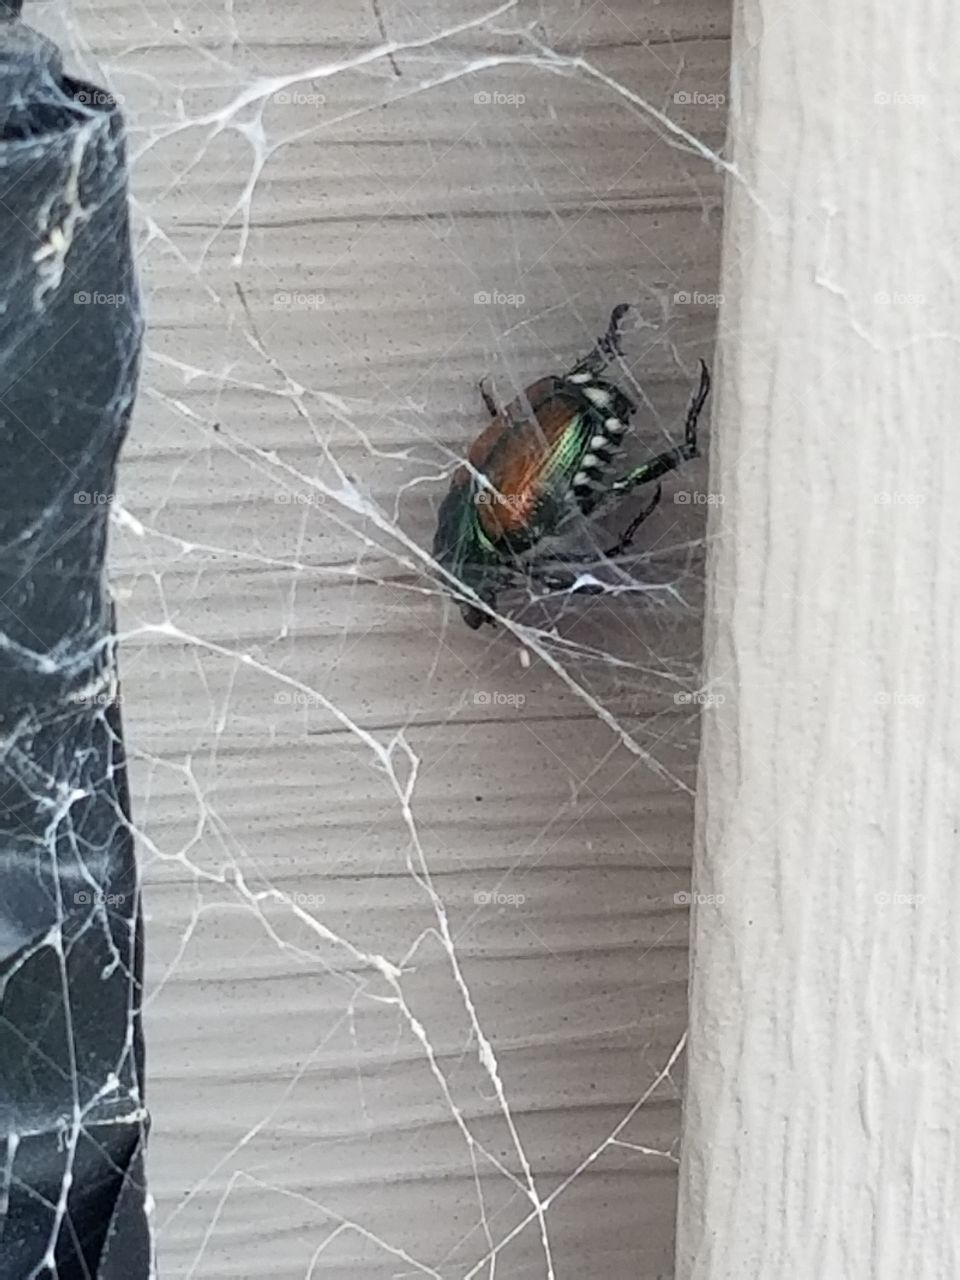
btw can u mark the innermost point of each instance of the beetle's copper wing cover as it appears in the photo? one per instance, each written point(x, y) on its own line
point(529, 455)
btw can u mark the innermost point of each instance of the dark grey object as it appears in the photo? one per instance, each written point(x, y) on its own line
point(72, 1118)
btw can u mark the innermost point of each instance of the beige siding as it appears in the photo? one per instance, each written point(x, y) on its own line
point(322, 796)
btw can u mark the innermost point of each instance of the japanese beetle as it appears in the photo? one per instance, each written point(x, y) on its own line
point(544, 457)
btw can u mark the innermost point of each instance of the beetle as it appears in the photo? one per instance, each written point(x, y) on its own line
point(540, 460)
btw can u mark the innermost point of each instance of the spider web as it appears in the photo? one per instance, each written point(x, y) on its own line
point(414, 897)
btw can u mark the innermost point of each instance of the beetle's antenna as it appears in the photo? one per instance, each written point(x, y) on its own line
point(610, 342)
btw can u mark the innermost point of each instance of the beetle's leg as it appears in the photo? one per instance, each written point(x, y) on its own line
point(488, 399)
point(610, 342)
point(606, 349)
point(564, 582)
point(647, 472)
point(670, 458)
point(611, 553)
point(629, 533)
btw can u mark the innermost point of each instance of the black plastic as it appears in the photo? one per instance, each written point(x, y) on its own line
point(72, 1119)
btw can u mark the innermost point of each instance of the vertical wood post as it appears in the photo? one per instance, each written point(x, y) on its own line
point(820, 1128)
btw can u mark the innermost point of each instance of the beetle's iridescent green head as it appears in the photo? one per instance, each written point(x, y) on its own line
point(460, 547)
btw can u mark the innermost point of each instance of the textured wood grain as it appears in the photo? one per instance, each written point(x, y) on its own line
point(306, 1121)
point(820, 1136)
